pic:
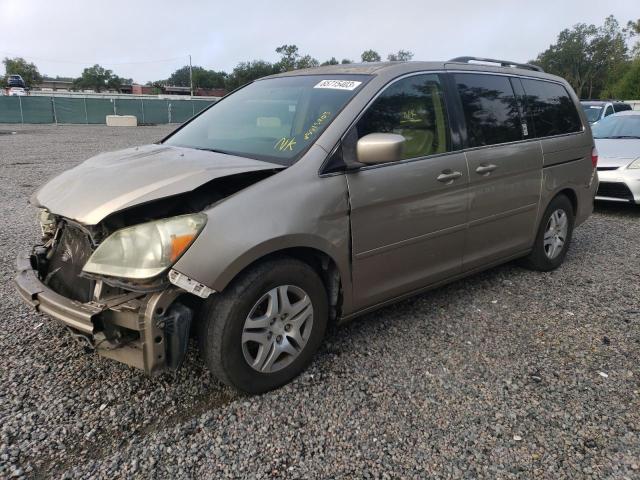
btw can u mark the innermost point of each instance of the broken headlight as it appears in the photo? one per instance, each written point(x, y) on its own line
point(145, 250)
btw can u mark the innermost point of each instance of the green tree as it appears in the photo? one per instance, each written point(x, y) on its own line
point(289, 57)
point(370, 56)
point(589, 57)
point(307, 62)
point(246, 72)
point(19, 66)
point(346, 61)
point(400, 56)
point(98, 78)
point(202, 78)
point(331, 61)
point(628, 85)
point(633, 29)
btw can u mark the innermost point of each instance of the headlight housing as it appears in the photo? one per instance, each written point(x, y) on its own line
point(145, 250)
point(635, 163)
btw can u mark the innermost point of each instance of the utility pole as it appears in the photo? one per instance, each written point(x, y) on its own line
point(190, 75)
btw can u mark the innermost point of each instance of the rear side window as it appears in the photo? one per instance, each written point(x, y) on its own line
point(551, 108)
point(414, 108)
point(621, 107)
point(490, 109)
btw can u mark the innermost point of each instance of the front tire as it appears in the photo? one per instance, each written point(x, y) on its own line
point(265, 327)
point(553, 237)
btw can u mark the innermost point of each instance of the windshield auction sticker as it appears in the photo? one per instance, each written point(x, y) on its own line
point(338, 84)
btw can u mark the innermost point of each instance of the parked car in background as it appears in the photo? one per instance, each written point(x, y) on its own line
point(16, 92)
point(15, 81)
point(617, 139)
point(596, 110)
point(309, 197)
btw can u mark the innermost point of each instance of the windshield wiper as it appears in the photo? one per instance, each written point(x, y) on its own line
point(211, 150)
point(623, 136)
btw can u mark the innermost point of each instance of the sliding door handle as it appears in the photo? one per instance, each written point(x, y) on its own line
point(447, 176)
point(486, 169)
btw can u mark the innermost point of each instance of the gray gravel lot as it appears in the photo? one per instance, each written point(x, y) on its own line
point(507, 374)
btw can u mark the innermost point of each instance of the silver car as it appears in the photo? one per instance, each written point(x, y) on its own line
point(308, 198)
point(617, 139)
point(596, 110)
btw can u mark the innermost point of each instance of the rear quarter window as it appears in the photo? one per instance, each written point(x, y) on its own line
point(551, 108)
point(490, 109)
point(621, 107)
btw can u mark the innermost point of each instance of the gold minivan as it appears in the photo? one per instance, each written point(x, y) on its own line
point(307, 198)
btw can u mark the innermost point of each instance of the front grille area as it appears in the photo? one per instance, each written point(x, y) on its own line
point(71, 253)
point(614, 190)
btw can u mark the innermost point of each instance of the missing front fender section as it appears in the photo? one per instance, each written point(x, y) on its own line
point(177, 323)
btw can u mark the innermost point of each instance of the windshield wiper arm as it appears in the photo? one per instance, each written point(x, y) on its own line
point(212, 150)
point(625, 136)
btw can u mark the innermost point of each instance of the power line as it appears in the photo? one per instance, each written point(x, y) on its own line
point(93, 62)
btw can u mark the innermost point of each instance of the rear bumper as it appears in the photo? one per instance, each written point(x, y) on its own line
point(143, 315)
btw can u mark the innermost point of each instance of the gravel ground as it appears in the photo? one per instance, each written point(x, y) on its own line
point(507, 374)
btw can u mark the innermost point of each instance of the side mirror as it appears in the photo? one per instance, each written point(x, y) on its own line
point(380, 148)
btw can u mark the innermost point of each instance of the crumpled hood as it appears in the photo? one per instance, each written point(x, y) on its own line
point(113, 181)
point(619, 152)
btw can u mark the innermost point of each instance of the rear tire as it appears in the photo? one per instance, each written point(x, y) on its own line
point(265, 327)
point(553, 237)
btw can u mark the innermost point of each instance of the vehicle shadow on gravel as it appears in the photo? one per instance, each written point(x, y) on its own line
point(619, 209)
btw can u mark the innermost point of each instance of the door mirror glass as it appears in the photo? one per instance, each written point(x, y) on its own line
point(380, 148)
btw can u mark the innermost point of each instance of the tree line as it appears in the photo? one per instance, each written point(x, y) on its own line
point(244, 72)
point(598, 61)
point(95, 78)
point(101, 79)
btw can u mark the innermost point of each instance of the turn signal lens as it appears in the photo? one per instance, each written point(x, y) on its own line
point(179, 244)
point(594, 157)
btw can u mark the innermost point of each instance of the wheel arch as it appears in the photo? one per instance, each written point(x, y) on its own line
point(571, 195)
point(335, 279)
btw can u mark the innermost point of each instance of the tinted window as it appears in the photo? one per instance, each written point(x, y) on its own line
point(551, 108)
point(621, 107)
point(490, 109)
point(608, 111)
point(414, 108)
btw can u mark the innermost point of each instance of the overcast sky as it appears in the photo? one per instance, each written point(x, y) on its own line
point(145, 40)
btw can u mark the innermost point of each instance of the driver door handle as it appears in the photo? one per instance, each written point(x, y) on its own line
point(485, 169)
point(448, 176)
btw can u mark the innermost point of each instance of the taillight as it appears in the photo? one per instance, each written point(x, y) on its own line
point(594, 157)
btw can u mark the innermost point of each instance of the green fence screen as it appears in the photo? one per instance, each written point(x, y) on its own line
point(70, 110)
point(10, 111)
point(40, 109)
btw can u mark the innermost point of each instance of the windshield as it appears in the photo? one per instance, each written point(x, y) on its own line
point(274, 120)
point(592, 112)
point(618, 126)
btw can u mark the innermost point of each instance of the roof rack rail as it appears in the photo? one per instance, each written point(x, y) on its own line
point(503, 63)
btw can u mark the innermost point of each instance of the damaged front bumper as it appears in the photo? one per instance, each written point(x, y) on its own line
point(149, 331)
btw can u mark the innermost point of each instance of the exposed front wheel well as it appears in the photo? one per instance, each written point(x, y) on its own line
point(324, 266)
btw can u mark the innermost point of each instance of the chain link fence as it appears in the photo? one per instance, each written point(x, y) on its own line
point(40, 109)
